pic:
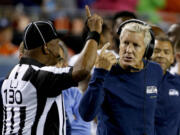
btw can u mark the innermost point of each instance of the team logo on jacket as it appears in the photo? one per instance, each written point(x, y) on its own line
point(173, 92)
point(151, 90)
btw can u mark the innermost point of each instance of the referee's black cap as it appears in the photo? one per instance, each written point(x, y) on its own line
point(38, 33)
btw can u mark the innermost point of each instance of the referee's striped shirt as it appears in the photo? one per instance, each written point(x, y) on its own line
point(32, 99)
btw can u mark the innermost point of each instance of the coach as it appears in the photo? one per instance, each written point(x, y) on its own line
point(124, 96)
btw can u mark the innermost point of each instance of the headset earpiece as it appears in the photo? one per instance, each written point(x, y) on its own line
point(150, 46)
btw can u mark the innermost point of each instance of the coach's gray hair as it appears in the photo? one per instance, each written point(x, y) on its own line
point(136, 27)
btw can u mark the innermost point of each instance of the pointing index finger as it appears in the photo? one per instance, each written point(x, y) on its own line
point(105, 47)
point(88, 13)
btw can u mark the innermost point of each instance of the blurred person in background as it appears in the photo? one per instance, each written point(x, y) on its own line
point(167, 117)
point(118, 18)
point(174, 33)
point(6, 35)
point(72, 98)
point(174, 36)
point(105, 36)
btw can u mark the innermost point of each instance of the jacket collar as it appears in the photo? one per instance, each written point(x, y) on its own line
point(30, 61)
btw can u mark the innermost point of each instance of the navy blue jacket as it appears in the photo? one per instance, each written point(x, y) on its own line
point(168, 108)
point(124, 101)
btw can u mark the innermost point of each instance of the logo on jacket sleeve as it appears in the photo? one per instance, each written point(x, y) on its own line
point(151, 90)
point(173, 92)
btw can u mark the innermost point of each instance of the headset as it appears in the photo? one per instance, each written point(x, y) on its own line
point(150, 47)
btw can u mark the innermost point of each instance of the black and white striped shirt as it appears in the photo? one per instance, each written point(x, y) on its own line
point(32, 99)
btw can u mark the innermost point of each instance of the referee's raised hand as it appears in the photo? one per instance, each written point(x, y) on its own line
point(94, 21)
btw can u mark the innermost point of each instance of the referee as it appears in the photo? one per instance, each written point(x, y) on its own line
point(26, 90)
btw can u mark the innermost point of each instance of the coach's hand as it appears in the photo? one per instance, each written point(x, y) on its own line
point(94, 21)
point(105, 59)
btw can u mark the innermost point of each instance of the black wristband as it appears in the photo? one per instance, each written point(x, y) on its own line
point(93, 35)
